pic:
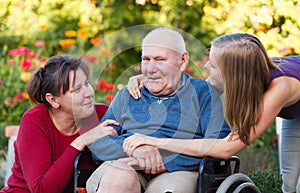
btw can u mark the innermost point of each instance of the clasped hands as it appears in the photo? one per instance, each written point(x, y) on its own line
point(144, 157)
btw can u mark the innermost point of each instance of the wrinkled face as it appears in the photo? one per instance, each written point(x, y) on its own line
point(215, 77)
point(79, 99)
point(161, 68)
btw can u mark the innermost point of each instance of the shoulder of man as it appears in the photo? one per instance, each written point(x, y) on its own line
point(198, 83)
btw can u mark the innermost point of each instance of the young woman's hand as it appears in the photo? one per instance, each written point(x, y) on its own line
point(136, 140)
point(134, 86)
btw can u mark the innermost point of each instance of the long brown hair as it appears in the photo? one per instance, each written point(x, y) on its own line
point(245, 68)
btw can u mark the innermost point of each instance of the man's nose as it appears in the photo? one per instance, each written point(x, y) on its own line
point(152, 67)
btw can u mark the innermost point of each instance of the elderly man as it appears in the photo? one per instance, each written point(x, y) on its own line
point(172, 104)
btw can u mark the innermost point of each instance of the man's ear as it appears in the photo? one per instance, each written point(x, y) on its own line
point(52, 100)
point(184, 61)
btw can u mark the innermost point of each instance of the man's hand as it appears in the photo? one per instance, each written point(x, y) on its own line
point(149, 159)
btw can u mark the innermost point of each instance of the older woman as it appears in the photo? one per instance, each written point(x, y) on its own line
point(48, 139)
point(256, 90)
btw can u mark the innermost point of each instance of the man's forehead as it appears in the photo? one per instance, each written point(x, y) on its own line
point(154, 50)
point(166, 41)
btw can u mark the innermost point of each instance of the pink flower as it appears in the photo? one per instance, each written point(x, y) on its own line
point(23, 50)
point(1, 82)
point(14, 52)
point(284, 50)
point(26, 64)
point(19, 51)
point(10, 102)
point(39, 43)
point(91, 58)
point(10, 62)
point(41, 61)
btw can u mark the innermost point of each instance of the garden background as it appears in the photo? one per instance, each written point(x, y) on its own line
point(108, 34)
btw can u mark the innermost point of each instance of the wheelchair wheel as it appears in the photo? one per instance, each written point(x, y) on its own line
point(232, 182)
point(247, 187)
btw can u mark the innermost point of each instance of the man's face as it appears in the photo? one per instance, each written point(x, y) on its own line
point(161, 68)
point(215, 76)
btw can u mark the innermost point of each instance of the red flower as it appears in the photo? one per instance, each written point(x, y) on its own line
point(109, 97)
point(104, 86)
point(19, 97)
point(32, 55)
point(275, 140)
point(189, 70)
point(112, 66)
point(95, 41)
point(81, 190)
point(199, 63)
point(26, 64)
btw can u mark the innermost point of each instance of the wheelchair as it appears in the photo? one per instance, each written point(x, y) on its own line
point(215, 175)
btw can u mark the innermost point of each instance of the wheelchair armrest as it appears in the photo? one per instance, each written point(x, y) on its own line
point(76, 171)
point(213, 171)
point(205, 161)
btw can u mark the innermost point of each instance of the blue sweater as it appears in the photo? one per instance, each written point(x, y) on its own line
point(194, 112)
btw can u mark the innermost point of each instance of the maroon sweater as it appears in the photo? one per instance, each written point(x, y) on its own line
point(43, 156)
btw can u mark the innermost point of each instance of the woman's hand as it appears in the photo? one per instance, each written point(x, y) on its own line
point(134, 86)
point(109, 129)
point(92, 135)
point(136, 140)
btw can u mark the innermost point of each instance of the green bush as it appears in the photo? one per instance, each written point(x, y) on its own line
point(268, 181)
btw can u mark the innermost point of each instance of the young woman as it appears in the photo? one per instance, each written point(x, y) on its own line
point(256, 90)
point(48, 139)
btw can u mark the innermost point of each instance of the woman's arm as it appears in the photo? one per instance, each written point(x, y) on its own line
point(282, 92)
point(222, 148)
point(92, 135)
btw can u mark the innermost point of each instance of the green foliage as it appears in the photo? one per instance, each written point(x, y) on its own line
point(268, 181)
point(276, 23)
point(3, 142)
point(24, 22)
point(15, 70)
